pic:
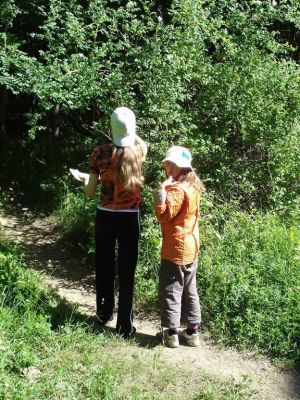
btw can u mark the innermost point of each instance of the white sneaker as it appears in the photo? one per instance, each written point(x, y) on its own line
point(192, 340)
point(169, 340)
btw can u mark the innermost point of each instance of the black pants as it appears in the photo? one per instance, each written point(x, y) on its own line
point(124, 228)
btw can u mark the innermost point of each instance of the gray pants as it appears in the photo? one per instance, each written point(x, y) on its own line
point(179, 300)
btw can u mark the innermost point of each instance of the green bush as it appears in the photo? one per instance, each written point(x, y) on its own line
point(218, 76)
point(75, 216)
point(19, 288)
point(248, 277)
point(249, 281)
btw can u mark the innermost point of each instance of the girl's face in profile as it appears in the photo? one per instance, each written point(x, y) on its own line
point(171, 169)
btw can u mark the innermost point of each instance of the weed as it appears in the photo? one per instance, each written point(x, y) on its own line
point(248, 275)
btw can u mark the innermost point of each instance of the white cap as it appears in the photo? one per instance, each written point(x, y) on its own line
point(123, 127)
point(180, 156)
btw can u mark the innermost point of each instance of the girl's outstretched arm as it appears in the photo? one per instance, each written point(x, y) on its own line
point(90, 185)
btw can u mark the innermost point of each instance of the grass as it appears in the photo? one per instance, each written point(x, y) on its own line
point(249, 280)
point(75, 363)
point(227, 390)
point(48, 351)
point(248, 275)
point(75, 217)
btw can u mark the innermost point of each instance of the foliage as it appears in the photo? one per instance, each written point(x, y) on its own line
point(249, 280)
point(76, 361)
point(219, 77)
point(19, 289)
point(75, 216)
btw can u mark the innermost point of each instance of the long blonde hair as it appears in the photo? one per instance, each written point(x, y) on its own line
point(189, 176)
point(127, 166)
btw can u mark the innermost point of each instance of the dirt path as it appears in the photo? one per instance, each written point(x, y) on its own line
point(45, 250)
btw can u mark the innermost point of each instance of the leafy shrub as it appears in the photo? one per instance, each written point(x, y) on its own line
point(249, 281)
point(75, 217)
point(248, 277)
point(19, 288)
point(148, 265)
point(218, 76)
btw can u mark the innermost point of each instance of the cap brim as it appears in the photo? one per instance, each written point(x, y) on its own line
point(179, 165)
point(127, 141)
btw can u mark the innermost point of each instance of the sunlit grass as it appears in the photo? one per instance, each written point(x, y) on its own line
point(46, 356)
point(248, 275)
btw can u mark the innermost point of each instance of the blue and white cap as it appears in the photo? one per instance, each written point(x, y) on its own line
point(180, 156)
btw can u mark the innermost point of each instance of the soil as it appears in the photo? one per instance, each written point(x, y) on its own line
point(45, 250)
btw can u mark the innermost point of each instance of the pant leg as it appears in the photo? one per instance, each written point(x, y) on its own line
point(128, 240)
point(105, 239)
point(170, 293)
point(190, 311)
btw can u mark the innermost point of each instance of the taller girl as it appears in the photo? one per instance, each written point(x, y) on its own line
point(118, 165)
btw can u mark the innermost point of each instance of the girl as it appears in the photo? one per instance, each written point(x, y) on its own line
point(118, 165)
point(176, 204)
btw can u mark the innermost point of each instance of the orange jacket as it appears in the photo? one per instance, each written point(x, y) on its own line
point(178, 217)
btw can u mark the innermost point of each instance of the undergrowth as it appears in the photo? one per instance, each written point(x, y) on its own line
point(42, 357)
point(249, 281)
point(248, 275)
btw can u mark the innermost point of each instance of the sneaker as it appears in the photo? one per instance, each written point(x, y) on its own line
point(170, 340)
point(192, 340)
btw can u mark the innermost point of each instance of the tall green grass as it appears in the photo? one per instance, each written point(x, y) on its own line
point(74, 361)
point(248, 276)
point(19, 289)
point(249, 281)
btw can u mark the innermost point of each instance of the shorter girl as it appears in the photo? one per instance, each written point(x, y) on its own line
point(176, 204)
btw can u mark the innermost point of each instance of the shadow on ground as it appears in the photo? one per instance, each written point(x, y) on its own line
point(65, 312)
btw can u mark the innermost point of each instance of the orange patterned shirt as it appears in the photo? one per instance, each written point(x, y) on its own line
point(111, 196)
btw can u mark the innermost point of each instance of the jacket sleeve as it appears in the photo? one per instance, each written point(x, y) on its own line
point(174, 201)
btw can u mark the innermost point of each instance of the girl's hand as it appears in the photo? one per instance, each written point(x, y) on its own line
point(160, 194)
point(166, 183)
point(79, 176)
